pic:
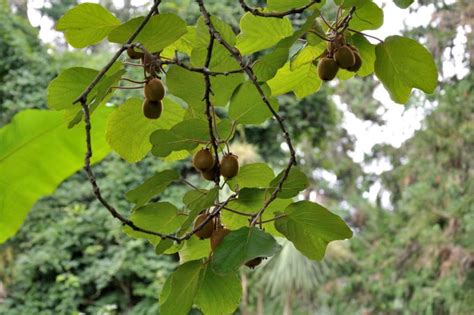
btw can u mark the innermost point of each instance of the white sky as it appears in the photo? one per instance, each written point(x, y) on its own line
point(401, 122)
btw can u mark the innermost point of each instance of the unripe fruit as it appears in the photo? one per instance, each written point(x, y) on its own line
point(254, 262)
point(154, 90)
point(203, 160)
point(210, 174)
point(327, 69)
point(207, 229)
point(357, 64)
point(229, 166)
point(344, 57)
point(133, 54)
point(151, 109)
point(217, 237)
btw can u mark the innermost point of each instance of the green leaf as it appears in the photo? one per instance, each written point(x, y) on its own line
point(367, 54)
point(303, 81)
point(267, 66)
point(128, 130)
point(241, 246)
point(346, 4)
point(161, 217)
point(307, 54)
point(218, 294)
point(403, 3)
point(294, 183)
point(258, 33)
point(37, 153)
point(367, 17)
point(197, 201)
point(253, 175)
point(194, 249)
point(163, 245)
point(161, 31)
point(87, 24)
point(68, 85)
point(180, 289)
point(403, 64)
point(247, 107)
point(311, 227)
point(153, 186)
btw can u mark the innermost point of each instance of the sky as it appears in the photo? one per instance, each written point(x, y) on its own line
point(401, 121)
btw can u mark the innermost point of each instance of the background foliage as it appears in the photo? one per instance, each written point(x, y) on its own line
point(415, 258)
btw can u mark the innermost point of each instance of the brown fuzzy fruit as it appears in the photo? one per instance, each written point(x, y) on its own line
point(152, 110)
point(210, 174)
point(357, 64)
point(133, 54)
point(207, 229)
point(327, 69)
point(203, 160)
point(254, 262)
point(344, 57)
point(217, 237)
point(229, 166)
point(154, 90)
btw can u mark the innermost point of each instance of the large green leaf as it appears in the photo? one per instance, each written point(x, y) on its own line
point(311, 227)
point(68, 85)
point(307, 54)
point(241, 246)
point(403, 64)
point(180, 289)
point(161, 31)
point(252, 175)
point(194, 249)
point(153, 186)
point(247, 106)
point(218, 294)
point(294, 183)
point(86, 24)
point(258, 33)
point(128, 130)
point(161, 217)
point(38, 152)
point(303, 81)
point(403, 3)
point(367, 17)
point(284, 5)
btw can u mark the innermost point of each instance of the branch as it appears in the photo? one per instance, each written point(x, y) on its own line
point(238, 57)
point(259, 12)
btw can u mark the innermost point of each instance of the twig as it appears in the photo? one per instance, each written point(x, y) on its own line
point(238, 57)
point(258, 11)
point(237, 212)
point(273, 219)
point(365, 34)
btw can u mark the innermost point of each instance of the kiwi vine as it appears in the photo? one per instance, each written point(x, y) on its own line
point(214, 160)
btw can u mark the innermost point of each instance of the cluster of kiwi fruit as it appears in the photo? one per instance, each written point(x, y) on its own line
point(216, 233)
point(204, 161)
point(338, 55)
point(154, 89)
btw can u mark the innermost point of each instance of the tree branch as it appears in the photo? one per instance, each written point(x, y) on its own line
point(259, 12)
point(238, 57)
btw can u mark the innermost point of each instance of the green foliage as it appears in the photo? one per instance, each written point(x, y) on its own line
point(402, 64)
point(30, 169)
point(209, 103)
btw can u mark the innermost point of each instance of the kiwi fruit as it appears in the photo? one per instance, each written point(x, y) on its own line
point(344, 57)
point(254, 262)
point(203, 160)
point(133, 54)
point(357, 64)
point(152, 109)
point(210, 174)
point(207, 229)
point(229, 166)
point(154, 90)
point(327, 69)
point(217, 237)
